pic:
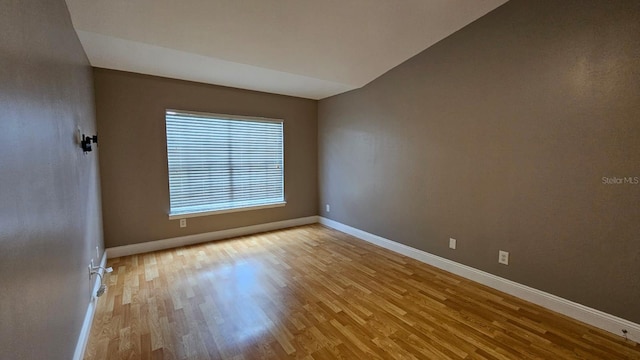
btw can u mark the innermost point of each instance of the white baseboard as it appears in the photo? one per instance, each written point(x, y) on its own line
point(144, 247)
point(597, 318)
point(83, 339)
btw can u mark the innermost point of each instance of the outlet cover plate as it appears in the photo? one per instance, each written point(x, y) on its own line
point(503, 257)
point(452, 243)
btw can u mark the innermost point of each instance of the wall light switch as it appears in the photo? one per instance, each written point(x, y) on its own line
point(183, 223)
point(452, 243)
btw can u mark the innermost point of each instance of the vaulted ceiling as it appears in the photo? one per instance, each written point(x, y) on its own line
point(305, 48)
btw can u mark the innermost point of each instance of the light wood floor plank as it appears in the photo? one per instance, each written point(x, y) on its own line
point(313, 293)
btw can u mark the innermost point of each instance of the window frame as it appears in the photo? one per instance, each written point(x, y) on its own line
point(223, 117)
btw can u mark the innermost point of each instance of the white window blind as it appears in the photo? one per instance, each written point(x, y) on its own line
point(223, 163)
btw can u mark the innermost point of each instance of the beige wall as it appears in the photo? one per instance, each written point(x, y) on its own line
point(499, 136)
point(50, 219)
point(133, 160)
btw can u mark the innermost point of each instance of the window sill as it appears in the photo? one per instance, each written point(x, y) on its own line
point(224, 211)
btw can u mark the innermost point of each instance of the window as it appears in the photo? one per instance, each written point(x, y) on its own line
point(223, 163)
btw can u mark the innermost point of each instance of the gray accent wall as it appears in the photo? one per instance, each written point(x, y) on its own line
point(499, 136)
point(135, 182)
point(50, 220)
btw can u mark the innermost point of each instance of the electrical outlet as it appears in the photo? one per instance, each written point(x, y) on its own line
point(97, 253)
point(328, 208)
point(503, 257)
point(452, 243)
point(183, 223)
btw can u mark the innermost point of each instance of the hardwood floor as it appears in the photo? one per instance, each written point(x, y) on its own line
point(316, 293)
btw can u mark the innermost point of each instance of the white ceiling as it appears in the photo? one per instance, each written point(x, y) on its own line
point(307, 48)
